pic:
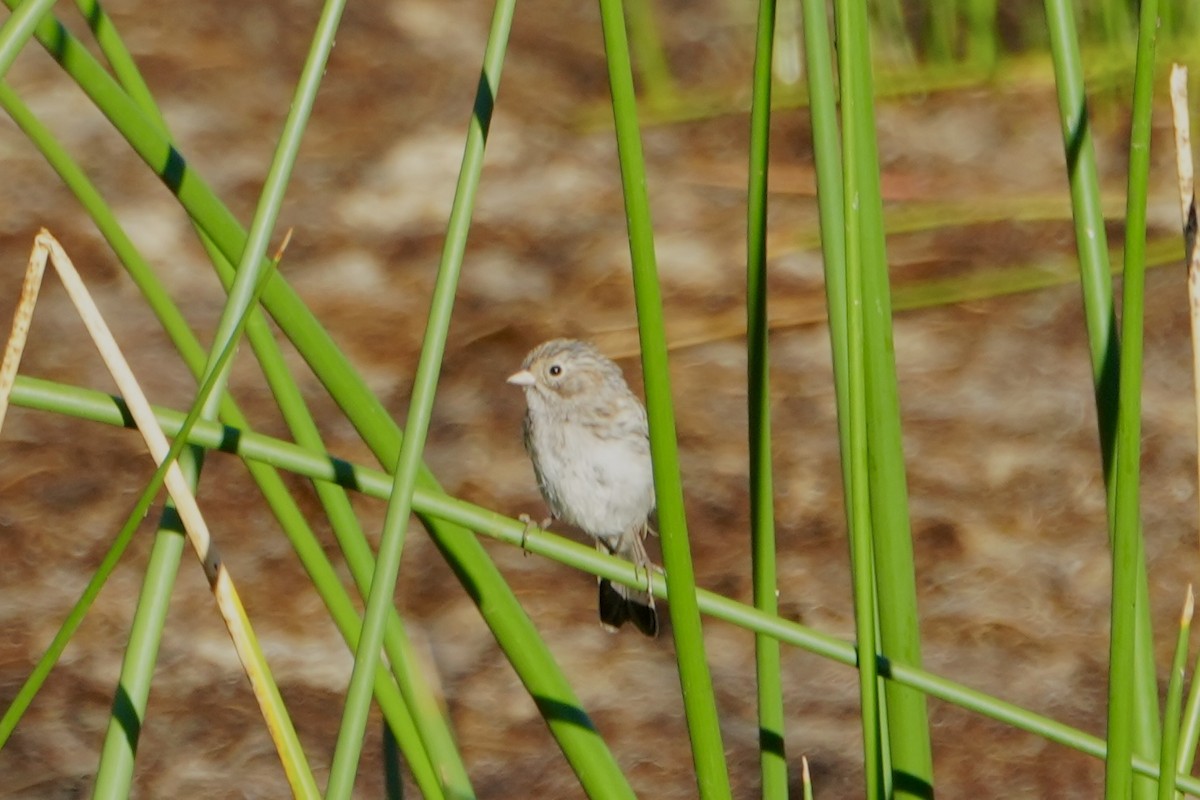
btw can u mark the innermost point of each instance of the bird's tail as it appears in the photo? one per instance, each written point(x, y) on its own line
point(619, 603)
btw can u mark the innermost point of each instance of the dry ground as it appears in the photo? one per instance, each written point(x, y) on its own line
point(1000, 434)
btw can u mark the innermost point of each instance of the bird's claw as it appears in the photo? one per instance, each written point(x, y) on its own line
point(649, 580)
point(529, 525)
point(528, 520)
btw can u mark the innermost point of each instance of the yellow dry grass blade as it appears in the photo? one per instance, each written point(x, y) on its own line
point(20, 327)
point(1187, 208)
point(46, 247)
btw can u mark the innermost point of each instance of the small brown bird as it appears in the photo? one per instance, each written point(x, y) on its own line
point(587, 436)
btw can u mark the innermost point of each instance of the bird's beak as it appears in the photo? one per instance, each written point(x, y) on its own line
point(522, 378)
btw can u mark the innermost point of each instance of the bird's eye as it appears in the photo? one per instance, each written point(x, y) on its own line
point(555, 370)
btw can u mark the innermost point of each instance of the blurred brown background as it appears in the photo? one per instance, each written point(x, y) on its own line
point(1007, 499)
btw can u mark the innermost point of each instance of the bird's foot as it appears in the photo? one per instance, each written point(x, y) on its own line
point(529, 525)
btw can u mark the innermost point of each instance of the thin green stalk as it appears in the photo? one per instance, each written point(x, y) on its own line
point(420, 410)
point(243, 293)
point(827, 157)
point(772, 750)
point(858, 501)
point(1190, 733)
point(17, 29)
point(907, 744)
point(120, 59)
point(433, 504)
point(983, 33)
point(708, 753)
point(893, 28)
point(1168, 765)
point(1103, 341)
point(653, 66)
point(942, 29)
point(1127, 539)
point(822, 90)
point(1091, 239)
point(114, 774)
point(1114, 16)
point(393, 784)
point(860, 542)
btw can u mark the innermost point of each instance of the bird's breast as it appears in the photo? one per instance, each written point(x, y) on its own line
point(604, 485)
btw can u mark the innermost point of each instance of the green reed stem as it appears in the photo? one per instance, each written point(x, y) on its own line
point(1168, 764)
point(822, 89)
point(942, 29)
point(1127, 539)
point(1091, 239)
point(1114, 20)
point(893, 28)
point(699, 702)
point(17, 29)
point(858, 501)
point(114, 773)
point(983, 34)
point(1103, 341)
point(893, 570)
point(773, 755)
point(420, 411)
point(1190, 729)
point(654, 69)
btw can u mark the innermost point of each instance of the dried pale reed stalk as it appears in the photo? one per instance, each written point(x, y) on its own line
point(1187, 208)
point(46, 247)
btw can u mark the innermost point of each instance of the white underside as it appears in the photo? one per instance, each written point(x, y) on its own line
point(603, 486)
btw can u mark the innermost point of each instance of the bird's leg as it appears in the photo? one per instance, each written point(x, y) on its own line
point(528, 520)
point(601, 547)
point(641, 561)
